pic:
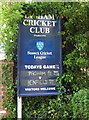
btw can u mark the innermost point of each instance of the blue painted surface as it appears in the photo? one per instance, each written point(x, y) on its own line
point(39, 52)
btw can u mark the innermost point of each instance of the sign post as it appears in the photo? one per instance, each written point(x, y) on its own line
point(39, 58)
point(19, 108)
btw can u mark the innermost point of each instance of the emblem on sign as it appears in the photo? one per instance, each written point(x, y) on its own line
point(40, 45)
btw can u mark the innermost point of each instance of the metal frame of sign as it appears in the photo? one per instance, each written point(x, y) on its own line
point(37, 55)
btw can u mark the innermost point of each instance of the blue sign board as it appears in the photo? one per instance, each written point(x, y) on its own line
point(39, 57)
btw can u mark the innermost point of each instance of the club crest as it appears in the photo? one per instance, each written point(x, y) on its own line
point(40, 45)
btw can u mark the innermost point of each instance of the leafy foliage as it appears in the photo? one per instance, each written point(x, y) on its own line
point(75, 34)
point(9, 102)
point(80, 103)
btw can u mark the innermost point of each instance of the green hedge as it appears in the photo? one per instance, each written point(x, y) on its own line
point(80, 103)
point(75, 45)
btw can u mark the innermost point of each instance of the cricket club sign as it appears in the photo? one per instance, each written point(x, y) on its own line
point(39, 57)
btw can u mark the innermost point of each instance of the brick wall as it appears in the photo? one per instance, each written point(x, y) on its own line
point(3, 111)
